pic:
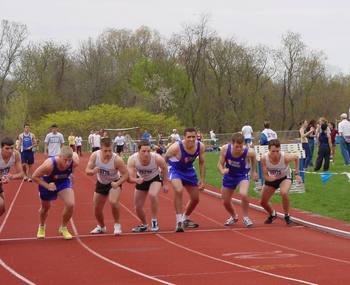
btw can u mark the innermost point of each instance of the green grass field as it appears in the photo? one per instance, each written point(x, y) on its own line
point(331, 199)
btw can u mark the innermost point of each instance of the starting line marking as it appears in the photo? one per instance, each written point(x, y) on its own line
point(260, 255)
point(140, 234)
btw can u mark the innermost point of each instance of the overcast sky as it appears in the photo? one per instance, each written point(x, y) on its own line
point(323, 24)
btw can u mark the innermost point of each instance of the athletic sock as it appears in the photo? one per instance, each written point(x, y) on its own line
point(178, 218)
point(184, 217)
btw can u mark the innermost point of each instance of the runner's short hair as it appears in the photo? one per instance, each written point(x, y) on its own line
point(66, 151)
point(237, 138)
point(267, 124)
point(7, 141)
point(143, 143)
point(106, 142)
point(274, 142)
point(189, 130)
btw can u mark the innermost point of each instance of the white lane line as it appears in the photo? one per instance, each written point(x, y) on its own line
point(112, 261)
point(124, 234)
point(296, 250)
point(319, 227)
point(10, 208)
point(147, 233)
point(276, 244)
point(201, 273)
point(95, 253)
point(234, 264)
point(13, 272)
point(224, 261)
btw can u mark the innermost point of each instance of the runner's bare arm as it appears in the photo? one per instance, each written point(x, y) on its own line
point(172, 151)
point(202, 166)
point(91, 168)
point(18, 166)
point(132, 170)
point(267, 177)
point(42, 170)
point(289, 157)
point(221, 163)
point(120, 165)
point(163, 167)
point(252, 157)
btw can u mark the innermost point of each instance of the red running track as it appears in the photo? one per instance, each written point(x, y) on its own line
point(211, 254)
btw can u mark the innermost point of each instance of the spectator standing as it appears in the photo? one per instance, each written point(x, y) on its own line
point(267, 134)
point(324, 148)
point(334, 133)
point(344, 132)
point(78, 144)
point(247, 132)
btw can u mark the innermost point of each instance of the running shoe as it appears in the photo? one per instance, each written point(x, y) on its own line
point(30, 180)
point(190, 224)
point(231, 221)
point(140, 228)
point(41, 232)
point(99, 230)
point(271, 218)
point(288, 219)
point(65, 233)
point(117, 229)
point(179, 227)
point(154, 226)
point(247, 222)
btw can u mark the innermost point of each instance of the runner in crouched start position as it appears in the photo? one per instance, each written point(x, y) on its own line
point(54, 179)
point(111, 173)
point(277, 174)
point(180, 157)
point(144, 169)
point(8, 157)
point(234, 166)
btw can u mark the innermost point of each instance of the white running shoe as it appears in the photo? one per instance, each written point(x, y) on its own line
point(231, 221)
point(117, 229)
point(154, 226)
point(98, 230)
point(248, 222)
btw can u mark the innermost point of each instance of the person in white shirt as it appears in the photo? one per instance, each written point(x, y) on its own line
point(213, 137)
point(53, 142)
point(119, 142)
point(344, 133)
point(90, 139)
point(96, 141)
point(111, 173)
point(267, 134)
point(78, 144)
point(277, 174)
point(175, 135)
point(9, 158)
point(247, 132)
point(144, 169)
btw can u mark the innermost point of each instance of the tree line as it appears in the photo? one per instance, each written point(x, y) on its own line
point(202, 79)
